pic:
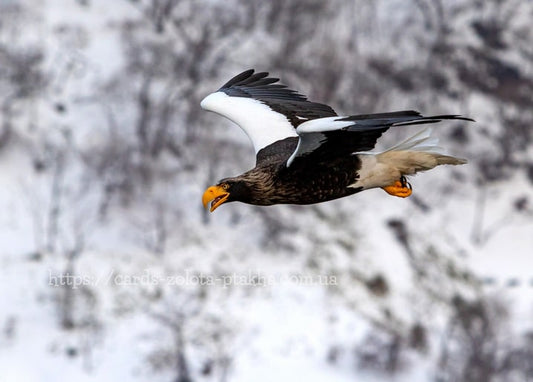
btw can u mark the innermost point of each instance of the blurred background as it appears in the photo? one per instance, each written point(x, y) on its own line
point(111, 270)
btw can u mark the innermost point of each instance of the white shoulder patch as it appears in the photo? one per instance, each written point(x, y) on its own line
point(311, 136)
point(322, 125)
point(262, 125)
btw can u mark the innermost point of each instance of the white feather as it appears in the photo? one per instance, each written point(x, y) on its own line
point(421, 141)
point(322, 124)
point(262, 125)
point(310, 137)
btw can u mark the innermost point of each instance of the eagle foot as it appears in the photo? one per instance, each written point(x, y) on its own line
point(401, 188)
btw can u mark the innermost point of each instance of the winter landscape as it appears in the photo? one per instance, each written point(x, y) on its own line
point(112, 270)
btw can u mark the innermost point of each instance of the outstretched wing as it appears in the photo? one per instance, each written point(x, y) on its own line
point(326, 138)
point(266, 111)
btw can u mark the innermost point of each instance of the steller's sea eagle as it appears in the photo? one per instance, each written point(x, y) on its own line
point(306, 153)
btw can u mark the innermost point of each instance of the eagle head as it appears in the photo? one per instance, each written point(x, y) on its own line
point(227, 190)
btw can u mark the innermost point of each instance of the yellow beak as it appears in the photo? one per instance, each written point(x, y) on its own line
point(215, 194)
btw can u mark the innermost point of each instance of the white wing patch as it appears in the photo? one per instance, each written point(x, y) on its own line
point(310, 134)
point(263, 125)
point(323, 124)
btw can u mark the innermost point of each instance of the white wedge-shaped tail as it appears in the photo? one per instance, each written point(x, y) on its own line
point(420, 152)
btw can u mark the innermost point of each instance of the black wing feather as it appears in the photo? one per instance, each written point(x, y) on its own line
point(238, 78)
point(278, 97)
point(363, 134)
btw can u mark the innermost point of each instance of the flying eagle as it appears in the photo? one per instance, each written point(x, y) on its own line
point(306, 153)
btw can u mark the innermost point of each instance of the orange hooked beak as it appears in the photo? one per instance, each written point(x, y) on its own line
point(216, 195)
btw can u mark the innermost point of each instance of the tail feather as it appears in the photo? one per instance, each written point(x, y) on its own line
point(448, 159)
point(420, 152)
point(421, 141)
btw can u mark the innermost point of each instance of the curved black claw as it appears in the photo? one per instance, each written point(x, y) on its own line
point(405, 183)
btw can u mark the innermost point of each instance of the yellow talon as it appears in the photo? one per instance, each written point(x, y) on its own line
point(400, 188)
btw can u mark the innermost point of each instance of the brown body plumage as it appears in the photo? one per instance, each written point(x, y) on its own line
point(272, 182)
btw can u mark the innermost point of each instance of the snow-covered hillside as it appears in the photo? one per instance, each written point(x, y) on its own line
point(111, 270)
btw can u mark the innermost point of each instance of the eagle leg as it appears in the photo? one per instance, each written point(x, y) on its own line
point(401, 188)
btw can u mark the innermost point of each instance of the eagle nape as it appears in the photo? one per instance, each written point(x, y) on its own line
point(307, 154)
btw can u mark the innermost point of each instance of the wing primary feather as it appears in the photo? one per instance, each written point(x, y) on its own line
point(253, 78)
point(393, 114)
point(397, 118)
point(238, 78)
point(263, 82)
point(425, 121)
point(456, 116)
